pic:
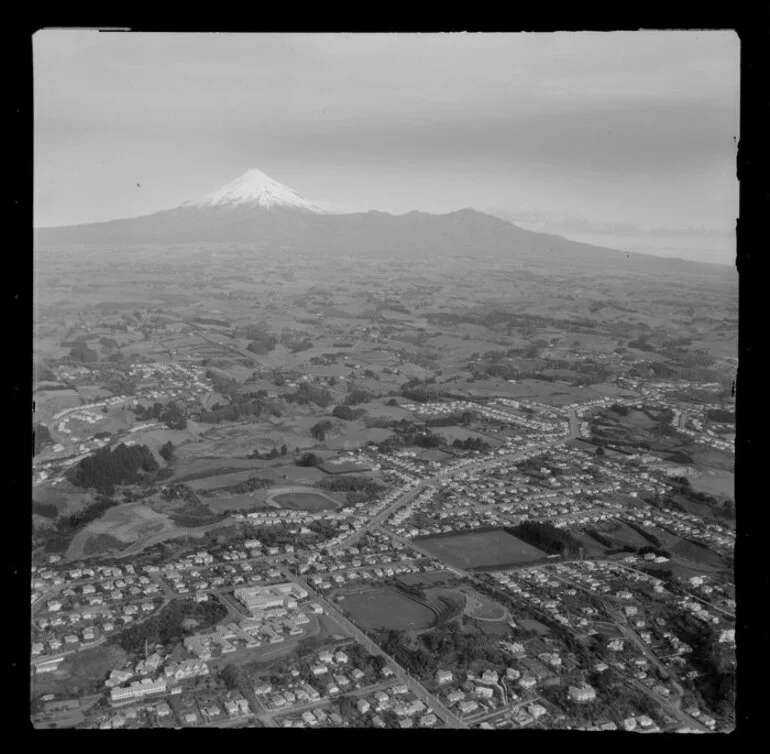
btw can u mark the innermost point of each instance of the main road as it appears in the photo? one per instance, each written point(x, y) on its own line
point(474, 466)
point(412, 684)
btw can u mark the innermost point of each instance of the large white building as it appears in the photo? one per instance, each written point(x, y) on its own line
point(260, 598)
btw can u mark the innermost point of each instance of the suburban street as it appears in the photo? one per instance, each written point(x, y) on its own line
point(405, 499)
point(414, 686)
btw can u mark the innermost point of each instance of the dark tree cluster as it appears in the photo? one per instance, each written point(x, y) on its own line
point(306, 394)
point(249, 485)
point(119, 384)
point(547, 537)
point(256, 408)
point(106, 468)
point(67, 526)
point(40, 437)
point(167, 627)
point(357, 395)
point(47, 510)
point(346, 413)
point(167, 451)
point(350, 483)
point(170, 414)
point(471, 443)
point(321, 430)
point(83, 354)
point(641, 344)
point(465, 418)
point(308, 460)
point(714, 661)
point(262, 345)
point(272, 454)
point(721, 415)
point(42, 373)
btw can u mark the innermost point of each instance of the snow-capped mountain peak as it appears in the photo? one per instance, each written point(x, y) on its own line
point(255, 188)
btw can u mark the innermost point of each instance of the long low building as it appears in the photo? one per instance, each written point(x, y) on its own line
point(138, 689)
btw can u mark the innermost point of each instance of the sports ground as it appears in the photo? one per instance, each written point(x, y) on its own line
point(494, 547)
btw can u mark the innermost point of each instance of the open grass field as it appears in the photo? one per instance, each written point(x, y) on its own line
point(343, 466)
point(592, 547)
point(455, 432)
point(710, 459)
point(127, 523)
point(627, 536)
point(243, 502)
point(480, 607)
point(695, 553)
point(304, 501)
point(694, 507)
point(665, 538)
point(81, 670)
point(50, 402)
point(716, 483)
point(228, 479)
point(354, 434)
point(533, 625)
point(430, 578)
point(99, 543)
point(67, 498)
point(386, 608)
point(458, 598)
point(551, 393)
point(489, 548)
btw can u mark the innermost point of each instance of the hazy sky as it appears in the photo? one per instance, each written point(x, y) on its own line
point(632, 128)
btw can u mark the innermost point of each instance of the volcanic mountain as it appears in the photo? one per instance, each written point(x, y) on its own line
point(255, 190)
point(256, 210)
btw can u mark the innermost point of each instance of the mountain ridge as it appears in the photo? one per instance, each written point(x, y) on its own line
point(255, 209)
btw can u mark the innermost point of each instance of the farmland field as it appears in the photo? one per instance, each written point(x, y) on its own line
point(488, 548)
point(387, 608)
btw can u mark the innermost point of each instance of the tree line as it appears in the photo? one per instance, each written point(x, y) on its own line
point(351, 483)
point(270, 455)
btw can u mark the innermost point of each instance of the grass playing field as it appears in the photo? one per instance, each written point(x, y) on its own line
point(386, 608)
point(487, 548)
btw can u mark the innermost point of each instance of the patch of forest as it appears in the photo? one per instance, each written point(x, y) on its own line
point(105, 469)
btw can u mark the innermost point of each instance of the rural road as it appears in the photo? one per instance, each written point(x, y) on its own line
point(416, 688)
